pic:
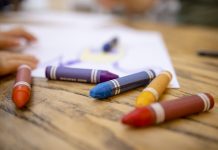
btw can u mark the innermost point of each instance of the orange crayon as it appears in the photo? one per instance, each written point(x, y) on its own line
point(22, 87)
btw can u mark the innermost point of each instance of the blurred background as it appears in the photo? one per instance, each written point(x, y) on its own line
point(192, 12)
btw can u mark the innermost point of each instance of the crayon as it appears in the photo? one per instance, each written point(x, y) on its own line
point(78, 75)
point(107, 47)
point(154, 90)
point(119, 85)
point(169, 110)
point(22, 87)
point(208, 53)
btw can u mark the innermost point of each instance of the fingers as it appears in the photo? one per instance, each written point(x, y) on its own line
point(28, 36)
point(9, 42)
point(14, 64)
point(129, 6)
point(138, 6)
point(24, 57)
point(22, 33)
point(108, 4)
point(15, 38)
point(9, 62)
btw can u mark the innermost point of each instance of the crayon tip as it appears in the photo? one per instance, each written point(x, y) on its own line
point(106, 76)
point(107, 47)
point(144, 99)
point(101, 91)
point(20, 98)
point(139, 117)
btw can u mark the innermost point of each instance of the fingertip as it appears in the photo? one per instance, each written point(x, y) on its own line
point(35, 59)
point(34, 62)
point(34, 39)
point(21, 32)
point(31, 38)
point(31, 65)
point(34, 66)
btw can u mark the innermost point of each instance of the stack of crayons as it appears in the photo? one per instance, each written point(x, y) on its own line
point(148, 110)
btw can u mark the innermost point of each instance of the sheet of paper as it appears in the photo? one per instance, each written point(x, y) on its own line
point(82, 48)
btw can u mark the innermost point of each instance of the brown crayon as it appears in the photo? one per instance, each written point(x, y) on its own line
point(169, 110)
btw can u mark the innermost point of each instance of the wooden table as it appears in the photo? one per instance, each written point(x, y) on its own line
point(61, 115)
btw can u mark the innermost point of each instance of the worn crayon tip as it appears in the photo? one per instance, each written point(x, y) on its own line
point(139, 117)
point(101, 91)
point(20, 98)
point(107, 47)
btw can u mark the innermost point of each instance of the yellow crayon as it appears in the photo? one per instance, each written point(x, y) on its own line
point(154, 90)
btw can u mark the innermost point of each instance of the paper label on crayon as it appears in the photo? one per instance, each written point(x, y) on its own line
point(130, 82)
point(73, 74)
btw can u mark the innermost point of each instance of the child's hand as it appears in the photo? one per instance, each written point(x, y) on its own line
point(11, 38)
point(9, 62)
point(130, 6)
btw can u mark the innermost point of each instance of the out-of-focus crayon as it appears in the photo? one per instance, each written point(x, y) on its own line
point(119, 85)
point(169, 110)
point(154, 90)
point(208, 53)
point(22, 87)
point(107, 47)
point(78, 75)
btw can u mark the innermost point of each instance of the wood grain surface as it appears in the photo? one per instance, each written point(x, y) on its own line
point(61, 115)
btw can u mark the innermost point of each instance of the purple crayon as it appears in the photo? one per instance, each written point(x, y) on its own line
point(78, 74)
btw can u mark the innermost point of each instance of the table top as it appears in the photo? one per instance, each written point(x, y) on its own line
point(61, 115)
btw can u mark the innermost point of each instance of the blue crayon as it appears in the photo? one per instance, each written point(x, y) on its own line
point(107, 47)
point(120, 85)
